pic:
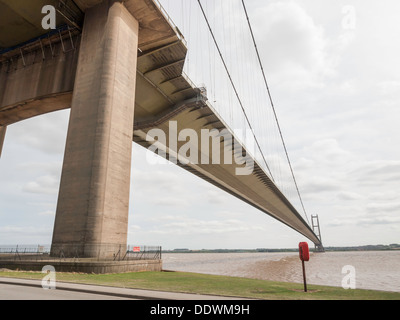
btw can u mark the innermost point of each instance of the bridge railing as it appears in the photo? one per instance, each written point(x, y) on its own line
point(79, 253)
point(143, 253)
point(170, 21)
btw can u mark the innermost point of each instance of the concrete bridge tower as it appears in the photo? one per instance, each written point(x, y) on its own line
point(93, 203)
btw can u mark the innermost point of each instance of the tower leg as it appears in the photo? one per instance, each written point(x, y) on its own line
point(316, 228)
point(93, 203)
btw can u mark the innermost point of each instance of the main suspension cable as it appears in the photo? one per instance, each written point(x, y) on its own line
point(234, 88)
point(273, 108)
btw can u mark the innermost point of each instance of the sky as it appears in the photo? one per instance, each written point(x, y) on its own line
point(334, 73)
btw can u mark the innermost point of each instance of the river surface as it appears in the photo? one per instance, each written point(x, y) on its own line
point(376, 270)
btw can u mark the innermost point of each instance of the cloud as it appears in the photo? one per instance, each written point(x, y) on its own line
point(379, 221)
point(378, 172)
point(134, 228)
point(387, 196)
point(16, 235)
point(362, 221)
point(46, 133)
point(328, 152)
point(48, 184)
point(172, 202)
point(349, 196)
point(48, 213)
point(166, 177)
point(318, 185)
point(289, 38)
point(193, 226)
point(383, 208)
point(389, 87)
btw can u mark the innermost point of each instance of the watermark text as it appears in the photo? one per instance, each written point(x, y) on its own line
point(349, 279)
point(190, 147)
point(49, 20)
point(49, 280)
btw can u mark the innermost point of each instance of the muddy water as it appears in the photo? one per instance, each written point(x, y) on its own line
point(377, 270)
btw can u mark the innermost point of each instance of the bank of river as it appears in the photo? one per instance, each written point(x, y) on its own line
point(376, 270)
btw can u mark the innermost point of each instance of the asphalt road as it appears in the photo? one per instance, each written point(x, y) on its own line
point(19, 289)
point(18, 292)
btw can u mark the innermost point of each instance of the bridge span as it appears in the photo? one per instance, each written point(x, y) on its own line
point(118, 65)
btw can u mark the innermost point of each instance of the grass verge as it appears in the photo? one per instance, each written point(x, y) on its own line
point(213, 285)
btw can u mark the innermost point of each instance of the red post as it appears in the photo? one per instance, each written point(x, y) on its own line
point(304, 256)
point(304, 277)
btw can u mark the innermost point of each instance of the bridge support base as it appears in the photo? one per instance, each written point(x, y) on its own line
point(93, 203)
point(84, 266)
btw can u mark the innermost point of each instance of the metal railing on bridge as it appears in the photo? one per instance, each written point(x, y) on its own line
point(170, 21)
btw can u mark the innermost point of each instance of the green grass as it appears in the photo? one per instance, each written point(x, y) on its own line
point(214, 285)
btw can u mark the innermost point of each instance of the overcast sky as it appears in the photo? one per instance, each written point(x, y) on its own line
point(334, 72)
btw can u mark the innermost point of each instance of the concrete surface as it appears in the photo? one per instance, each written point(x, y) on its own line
point(84, 265)
point(93, 202)
point(18, 289)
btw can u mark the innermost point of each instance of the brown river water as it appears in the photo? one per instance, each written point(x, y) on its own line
point(376, 270)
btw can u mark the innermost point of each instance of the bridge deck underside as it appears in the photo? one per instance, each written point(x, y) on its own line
point(165, 94)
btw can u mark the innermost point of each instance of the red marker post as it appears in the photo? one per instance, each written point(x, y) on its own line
point(304, 256)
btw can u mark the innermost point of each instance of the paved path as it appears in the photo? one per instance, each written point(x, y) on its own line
point(19, 289)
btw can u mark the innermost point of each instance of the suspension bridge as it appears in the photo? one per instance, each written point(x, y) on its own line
point(123, 69)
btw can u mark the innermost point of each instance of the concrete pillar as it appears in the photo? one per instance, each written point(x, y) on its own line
point(93, 203)
point(2, 137)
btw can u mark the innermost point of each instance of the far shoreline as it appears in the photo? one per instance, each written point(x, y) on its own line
point(379, 247)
